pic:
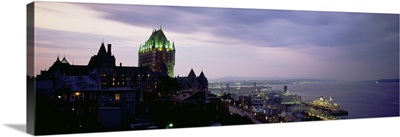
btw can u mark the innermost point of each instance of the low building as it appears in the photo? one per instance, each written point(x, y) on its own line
point(291, 100)
point(193, 83)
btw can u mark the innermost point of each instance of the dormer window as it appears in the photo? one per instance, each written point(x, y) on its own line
point(82, 84)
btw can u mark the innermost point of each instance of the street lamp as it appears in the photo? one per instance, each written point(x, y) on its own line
point(170, 125)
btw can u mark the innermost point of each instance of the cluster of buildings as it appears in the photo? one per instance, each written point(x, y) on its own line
point(102, 95)
point(274, 106)
point(266, 105)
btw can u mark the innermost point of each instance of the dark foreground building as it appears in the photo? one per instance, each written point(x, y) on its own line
point(99, 96)
point(103, 96)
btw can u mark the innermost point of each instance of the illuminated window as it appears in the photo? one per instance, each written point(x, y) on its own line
point(113, 79)
point(117, 96)
point(113, 83)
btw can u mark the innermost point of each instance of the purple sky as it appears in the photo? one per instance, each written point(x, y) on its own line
point(225, 41)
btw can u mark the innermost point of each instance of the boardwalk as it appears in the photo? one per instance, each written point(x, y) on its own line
point(243, 113)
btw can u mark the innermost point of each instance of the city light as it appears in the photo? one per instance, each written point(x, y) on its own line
point(170, 125)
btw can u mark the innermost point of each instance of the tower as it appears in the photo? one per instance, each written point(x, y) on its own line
point(103, 58)
point(156, 52)
point(285, 90)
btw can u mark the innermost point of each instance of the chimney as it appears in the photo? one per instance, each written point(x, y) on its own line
point(120, 64)
point(109, 48)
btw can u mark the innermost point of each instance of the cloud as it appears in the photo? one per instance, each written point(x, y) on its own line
point(264, 28)
point(79, 47)
point(226, 41)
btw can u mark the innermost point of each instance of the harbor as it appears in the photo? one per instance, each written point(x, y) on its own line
point(266, 105)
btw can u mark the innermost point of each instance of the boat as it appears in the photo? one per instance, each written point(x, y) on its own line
point(323, 103)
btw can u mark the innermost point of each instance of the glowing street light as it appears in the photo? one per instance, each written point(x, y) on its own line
point(170, 125)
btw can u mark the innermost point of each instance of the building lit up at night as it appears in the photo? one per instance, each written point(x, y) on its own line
point(158, 53)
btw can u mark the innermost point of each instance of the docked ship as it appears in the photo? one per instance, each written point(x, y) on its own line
point(323, 103)
point(327, 109)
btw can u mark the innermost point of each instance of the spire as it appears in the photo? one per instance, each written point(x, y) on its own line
point(173, 45)
point(102, 50)
point(58, 57)
point(202, 76)
point(157, 40)
point(191, 73)
point(64, 60)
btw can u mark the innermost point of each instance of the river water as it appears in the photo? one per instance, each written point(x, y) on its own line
point(360, 99)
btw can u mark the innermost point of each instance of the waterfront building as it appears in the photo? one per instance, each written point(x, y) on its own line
point(291, 99)
point(285, 89)
point(158, 53)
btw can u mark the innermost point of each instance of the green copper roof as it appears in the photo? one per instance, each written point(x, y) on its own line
point(157, 41)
